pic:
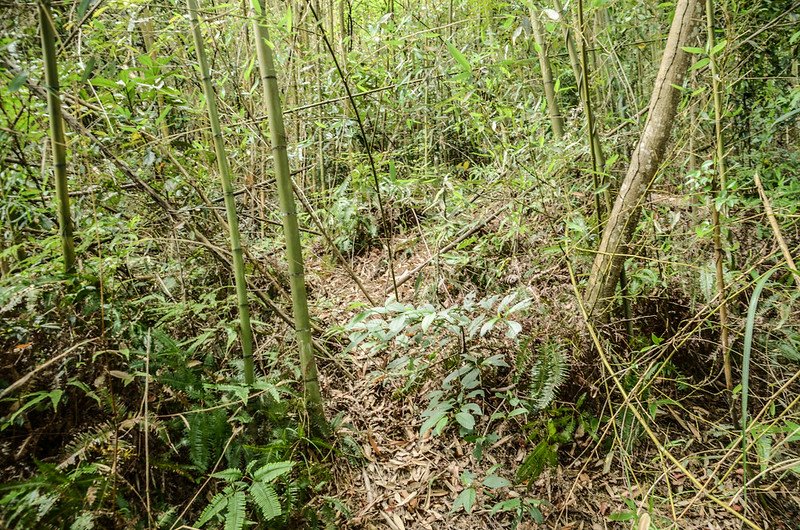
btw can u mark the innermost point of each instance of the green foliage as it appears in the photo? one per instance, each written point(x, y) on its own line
point(453, 338)
point(54, 498)
point(207, 435)
point(546, 374)
point(256, 487)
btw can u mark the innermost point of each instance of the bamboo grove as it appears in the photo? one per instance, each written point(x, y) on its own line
point(384, 264)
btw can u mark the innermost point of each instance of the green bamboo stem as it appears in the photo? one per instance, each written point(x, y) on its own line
point(246, 333)
point(594, 143)
point(57, 138)
point(294, 251)
point(556, 119)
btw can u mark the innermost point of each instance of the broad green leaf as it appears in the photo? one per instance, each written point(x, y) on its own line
point(514, 329)
point(509, 505)
point(494, 482)
point(693, 50)
point(427, 321)
point(466, 500)
point(55, 397)
point(487, 326)
point(466, 420)
point(433, 417)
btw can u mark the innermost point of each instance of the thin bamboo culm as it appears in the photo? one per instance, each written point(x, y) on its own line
point(245, 330)
point(716, 215)
point(294, 253)
point(556, 119)
point(57, 137)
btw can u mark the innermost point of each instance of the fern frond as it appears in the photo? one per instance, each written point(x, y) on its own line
point(217, 504)
point(85, 521)
point(548, 373)
point(94, 438)
point(266, 499)
point(542, 456)
point(273, 470)
point(235, 516)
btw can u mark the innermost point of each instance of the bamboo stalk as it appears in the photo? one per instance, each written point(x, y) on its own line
point(716, 214)
point(57, 138)
point(294, 252)
point(246, 333)
point(556, 119)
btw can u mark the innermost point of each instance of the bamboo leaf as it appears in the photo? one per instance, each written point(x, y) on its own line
point(460, 59)
point(83, 7)
point(746, 353)
point(17, 82)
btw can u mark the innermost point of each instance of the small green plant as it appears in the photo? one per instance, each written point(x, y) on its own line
point(522, 508)
point(254, 486)
point(458, 339)
point(467, 499)
point(55, 498)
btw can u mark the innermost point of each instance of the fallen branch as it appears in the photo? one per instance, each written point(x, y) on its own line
point(27, 377)
point(776, 229)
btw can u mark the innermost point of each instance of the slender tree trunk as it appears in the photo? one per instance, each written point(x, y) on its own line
point(294, 253)
point(556, 119)
point(230, 204)
point(645, 161)
point(57, 138)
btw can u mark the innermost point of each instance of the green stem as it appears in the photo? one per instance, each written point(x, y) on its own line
point(230, 205)
point(57, 138)
point(294, 252)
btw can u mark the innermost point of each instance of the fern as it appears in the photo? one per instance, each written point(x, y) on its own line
point(94, 438)
point(235, 516)
point(85, 521)
point(273, 470)
point(543, 455)
point(217, 504)
point(265, 497)
point(548, 373)
point(207, 435)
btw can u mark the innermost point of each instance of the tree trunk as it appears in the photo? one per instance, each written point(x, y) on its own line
point(645, 161)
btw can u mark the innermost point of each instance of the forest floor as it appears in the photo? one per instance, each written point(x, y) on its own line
point(407, 480)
